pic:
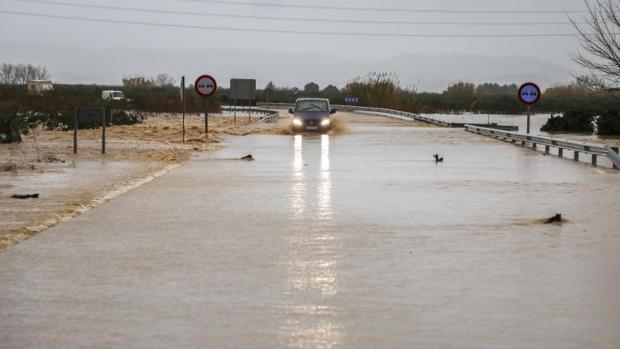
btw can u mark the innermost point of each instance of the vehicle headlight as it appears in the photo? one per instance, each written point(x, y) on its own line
point(297, 122)
point(325, 122)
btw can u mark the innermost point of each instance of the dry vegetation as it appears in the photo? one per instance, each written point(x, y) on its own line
point(44, 163)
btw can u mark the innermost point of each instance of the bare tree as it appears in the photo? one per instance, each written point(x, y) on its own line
point(600, 39)
point(41, 73)
point(163, 80)
point(21, 73)
point(7, 73)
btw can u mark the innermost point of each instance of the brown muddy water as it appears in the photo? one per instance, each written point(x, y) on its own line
point(352, 241)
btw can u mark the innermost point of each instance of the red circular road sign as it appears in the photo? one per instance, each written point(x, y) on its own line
point(529, 93)
point(205, 85)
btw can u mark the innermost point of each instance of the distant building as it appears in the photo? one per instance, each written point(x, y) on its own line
point(37, 87)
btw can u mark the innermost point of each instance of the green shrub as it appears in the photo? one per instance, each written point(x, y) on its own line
point(572, 121)
point(126, 117)
point(12, 125)
point(609, 123)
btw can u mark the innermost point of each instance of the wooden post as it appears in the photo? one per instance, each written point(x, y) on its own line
point(534, 146)
point(594, 160)
point(184, 106)
point(561, 152)
point(616, 150)
point(546, 149)
point(576, 156)
point(75, 128)
point(106, 113)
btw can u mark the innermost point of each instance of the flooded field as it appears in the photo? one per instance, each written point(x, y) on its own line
point(537, 122)
point(358, 240)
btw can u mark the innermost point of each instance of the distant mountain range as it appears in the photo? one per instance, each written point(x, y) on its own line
point(73, 64)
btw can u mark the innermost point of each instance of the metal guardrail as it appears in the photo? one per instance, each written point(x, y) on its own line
point(387, 112)
point(614, 157)
point(269, 114)
point(397, 114)
point(595, 150)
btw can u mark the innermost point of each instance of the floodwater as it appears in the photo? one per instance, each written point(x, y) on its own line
point(536, 120)
point(352, 241)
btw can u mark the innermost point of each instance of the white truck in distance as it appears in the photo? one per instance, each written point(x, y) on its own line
point(110, 95)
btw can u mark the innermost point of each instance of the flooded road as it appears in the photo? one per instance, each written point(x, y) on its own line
point(358, 240)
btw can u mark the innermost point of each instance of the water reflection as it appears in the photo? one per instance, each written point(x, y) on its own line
point(311, 202)
point(323, 334)
point(298, 189)
point(303, 180)
point(325, 184)
point(313, 250)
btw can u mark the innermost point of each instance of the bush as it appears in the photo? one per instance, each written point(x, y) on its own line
point(51, 120)
point(12, 124)
point(609, 123)
point(572, 121)
point(10, 129)
point(123, 117)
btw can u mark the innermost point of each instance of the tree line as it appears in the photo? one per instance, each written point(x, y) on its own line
point(384, 90)
point(19, 74)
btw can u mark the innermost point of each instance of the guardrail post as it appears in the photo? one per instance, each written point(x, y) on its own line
point(561, 152)
point(546, 149)
point(594, 160)
point(576, 155)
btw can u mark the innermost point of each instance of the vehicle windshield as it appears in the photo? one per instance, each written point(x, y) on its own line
point(312, 105)
point(118, 94)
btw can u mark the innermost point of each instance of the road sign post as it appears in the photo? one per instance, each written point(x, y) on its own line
point(529, 94)
point(206, 86)
point(90, 116)
point(235, 112)
point(268, 97)
point(206, 104)
point(529, 117)
point(243, 90)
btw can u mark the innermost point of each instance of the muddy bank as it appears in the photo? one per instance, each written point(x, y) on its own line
point(67, 183)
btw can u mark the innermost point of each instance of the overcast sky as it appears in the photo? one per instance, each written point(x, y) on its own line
point(89, 52)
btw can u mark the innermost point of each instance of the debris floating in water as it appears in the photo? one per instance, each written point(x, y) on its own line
point(26, 196)
point(248, 157)
point(555, 219)
point(8, 167)
point(49, 157)
point(437, 158)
